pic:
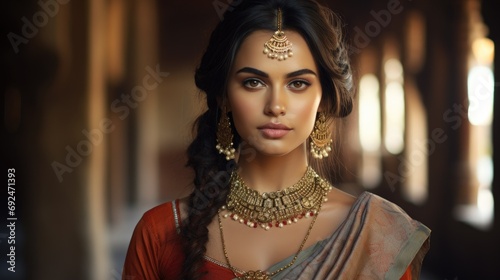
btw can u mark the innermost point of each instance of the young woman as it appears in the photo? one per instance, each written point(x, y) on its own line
point(275, 75)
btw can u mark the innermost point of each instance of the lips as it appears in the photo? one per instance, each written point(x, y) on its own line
point(274, 131)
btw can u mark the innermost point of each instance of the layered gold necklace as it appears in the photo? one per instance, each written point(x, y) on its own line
point(247, 206)
point(275, 209)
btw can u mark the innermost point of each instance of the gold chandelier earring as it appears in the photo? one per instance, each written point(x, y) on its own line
point(225, 136)
point(321, 139)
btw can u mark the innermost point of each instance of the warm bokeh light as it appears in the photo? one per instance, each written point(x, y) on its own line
point(393, 70)
point(369, 130)
point(481, 86)
point(395, 118)
point(394, 107)
point(369, 113)
point(483, 50)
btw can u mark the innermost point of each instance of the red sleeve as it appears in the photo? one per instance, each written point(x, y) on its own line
point(142, 261)
point(407, 275)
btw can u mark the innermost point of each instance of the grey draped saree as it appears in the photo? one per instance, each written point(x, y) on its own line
point(378, 240)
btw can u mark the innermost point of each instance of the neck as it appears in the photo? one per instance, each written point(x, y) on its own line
point(265, 173)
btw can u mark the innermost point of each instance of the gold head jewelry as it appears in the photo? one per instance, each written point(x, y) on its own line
point(275, 209)
point(278, 47)
point(225, 136)
point(321, 138)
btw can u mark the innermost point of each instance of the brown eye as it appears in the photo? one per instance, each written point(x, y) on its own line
point(298, 85)
point(253, 83)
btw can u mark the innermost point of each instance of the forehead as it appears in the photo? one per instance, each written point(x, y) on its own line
point(250, 54)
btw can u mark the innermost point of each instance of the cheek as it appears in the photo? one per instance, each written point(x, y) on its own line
point(306, 112)
point(307, 119)
point(242, 111)
point(241, 117)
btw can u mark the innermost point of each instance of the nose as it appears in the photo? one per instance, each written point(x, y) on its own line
point(276, 103)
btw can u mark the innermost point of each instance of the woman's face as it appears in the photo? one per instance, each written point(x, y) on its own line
point(274, 103)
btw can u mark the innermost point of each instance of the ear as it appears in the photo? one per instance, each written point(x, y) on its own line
point(322, 105)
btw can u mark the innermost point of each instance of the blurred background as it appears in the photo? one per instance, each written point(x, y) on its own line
point(98, 100)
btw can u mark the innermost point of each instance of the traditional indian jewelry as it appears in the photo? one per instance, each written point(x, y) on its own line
point(259, 274)
point(275, 209)
point(278, 46)
point(225, 136)
point(320, 138)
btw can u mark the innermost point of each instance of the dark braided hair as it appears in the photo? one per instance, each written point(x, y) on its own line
point(321, 30)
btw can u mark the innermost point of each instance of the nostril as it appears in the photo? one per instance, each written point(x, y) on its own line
point(275, 110)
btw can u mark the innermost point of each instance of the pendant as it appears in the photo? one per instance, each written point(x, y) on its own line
point(255, 275)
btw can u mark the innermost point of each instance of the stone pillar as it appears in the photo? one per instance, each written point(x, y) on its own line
point(62, 134)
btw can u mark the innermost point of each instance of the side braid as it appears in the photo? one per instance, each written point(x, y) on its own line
point(211, 182)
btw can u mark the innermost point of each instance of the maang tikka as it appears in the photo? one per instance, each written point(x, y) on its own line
point(278, 46)
point(225, 136)
point(321, 137)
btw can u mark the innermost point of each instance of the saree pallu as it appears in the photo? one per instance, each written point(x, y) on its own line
point(377, 240)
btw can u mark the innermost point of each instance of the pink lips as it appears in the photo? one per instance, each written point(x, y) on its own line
point(274, 131)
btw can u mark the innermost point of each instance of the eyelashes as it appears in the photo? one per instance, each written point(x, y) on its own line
point(253, 83)
point(299, 84)
point(296, 85)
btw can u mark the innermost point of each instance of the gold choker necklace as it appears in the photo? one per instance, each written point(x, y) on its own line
point(279, 208)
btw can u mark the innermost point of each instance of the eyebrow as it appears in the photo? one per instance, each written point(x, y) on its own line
point(253, 71)
point(301, 72)
point(265, 75)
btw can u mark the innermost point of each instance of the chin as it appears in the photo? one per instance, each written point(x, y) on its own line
point(275, 152)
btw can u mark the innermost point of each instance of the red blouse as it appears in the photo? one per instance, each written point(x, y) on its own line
point(155, 250)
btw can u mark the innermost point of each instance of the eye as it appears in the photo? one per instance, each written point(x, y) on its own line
point(253, 83)
point(299, 84)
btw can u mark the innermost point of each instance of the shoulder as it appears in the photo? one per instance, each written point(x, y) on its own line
point(383, 208)
point(334, 212)
point(161, 222)
point(389, 221)
point(154, 247)
point(391, 233)
point(378, 215)
point(338, 201)
point(160, 212)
